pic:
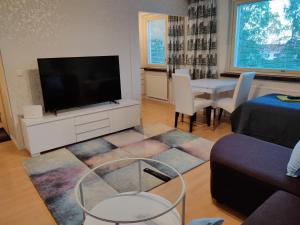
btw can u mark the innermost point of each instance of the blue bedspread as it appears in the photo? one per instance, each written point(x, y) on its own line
point(269, 119)
point(272, 100)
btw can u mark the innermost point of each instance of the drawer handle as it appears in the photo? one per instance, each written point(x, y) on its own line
point(92, 121)
point(92, 130)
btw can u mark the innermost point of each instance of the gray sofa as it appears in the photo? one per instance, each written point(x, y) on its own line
point(246, 172)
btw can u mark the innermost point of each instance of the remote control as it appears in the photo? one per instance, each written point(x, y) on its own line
point(157, 175)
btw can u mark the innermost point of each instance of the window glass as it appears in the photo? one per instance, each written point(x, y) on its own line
point(267, 35)
point(156, 41)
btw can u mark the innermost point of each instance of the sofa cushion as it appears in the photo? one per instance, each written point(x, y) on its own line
point(258, 159)
point(293, 167)
point(281, 208)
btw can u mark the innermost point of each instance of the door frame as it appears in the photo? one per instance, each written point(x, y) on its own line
point(6, 115)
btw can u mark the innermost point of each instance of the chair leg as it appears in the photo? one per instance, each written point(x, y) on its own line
point(208, 115)
point(214, 118)
point(192, 120)
point(220, 114)
point(176, 118)
point(182, 117)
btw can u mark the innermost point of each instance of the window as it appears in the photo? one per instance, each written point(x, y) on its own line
point(156, 41)
point(266, 35)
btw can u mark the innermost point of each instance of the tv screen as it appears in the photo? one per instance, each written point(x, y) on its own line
point(79, 81)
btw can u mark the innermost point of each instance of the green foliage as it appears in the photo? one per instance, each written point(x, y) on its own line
point(258, 22)
point(264, 40)
point(292, 13)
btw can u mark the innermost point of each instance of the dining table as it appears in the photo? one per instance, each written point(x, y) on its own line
point(213, 87)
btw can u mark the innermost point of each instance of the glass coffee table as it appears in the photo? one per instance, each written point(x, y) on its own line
point(123, 192)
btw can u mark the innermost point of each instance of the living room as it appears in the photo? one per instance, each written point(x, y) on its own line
point(120, 112)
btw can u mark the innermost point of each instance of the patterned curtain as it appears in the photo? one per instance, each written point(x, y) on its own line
point(202, 39)
point(176, 43)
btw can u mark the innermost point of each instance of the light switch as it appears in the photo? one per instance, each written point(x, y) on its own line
point(19, 73)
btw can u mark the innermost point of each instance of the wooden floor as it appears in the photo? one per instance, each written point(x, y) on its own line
point(160, 112)
point(20, 203)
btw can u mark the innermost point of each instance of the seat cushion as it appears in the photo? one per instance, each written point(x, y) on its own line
point(281, 208)
point(197, 92)
point(254, 158)
point(207, 221)
point(201, 103)
point(226, 104)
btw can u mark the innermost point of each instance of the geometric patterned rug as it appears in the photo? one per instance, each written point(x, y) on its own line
point(55, 174)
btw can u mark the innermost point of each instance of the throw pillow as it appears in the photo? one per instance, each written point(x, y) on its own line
point(293, 167)
point(207, 221)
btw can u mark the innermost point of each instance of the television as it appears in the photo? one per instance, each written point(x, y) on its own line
point(78, 81)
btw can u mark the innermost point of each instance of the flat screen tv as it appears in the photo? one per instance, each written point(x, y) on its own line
point(79, 81)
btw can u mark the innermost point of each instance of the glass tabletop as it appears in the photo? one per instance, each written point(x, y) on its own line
point(123, 191)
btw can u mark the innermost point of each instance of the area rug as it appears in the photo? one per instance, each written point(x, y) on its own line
point(55, 174)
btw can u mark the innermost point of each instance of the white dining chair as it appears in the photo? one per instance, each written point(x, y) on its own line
point(240, 95)
point(187, 72)
point(185, 101)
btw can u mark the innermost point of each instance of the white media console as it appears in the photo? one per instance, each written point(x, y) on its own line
point(50, 131)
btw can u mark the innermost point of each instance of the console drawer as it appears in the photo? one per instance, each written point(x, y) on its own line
point(92, 134)
point(90, 118)
point(92, 126)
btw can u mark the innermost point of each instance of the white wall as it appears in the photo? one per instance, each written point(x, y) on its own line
point(223, 26)
point(259, 87)
point(30, 29)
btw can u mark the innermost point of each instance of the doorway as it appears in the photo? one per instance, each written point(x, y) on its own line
point(153, 36)
point(6, 122)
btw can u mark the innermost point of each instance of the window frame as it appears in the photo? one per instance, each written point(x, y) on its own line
point(146, 18)
point(232, 68)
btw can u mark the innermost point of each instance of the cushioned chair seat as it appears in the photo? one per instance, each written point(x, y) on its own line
point(281, 208)
point(246, 171)
point(225, 103)
point(201, 103)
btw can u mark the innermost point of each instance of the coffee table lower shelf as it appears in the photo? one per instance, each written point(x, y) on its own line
point(133, 206)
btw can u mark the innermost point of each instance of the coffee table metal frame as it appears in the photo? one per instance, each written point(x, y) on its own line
point(181, 198)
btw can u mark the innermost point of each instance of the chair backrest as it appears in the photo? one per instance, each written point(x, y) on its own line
point(182, 71)
point(183, 95)
point(242, 88)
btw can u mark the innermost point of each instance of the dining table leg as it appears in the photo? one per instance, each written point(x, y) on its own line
point(214, 97)
point(220, 114)
point(208, 115)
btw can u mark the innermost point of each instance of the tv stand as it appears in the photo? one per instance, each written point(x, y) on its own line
point(54, 131)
